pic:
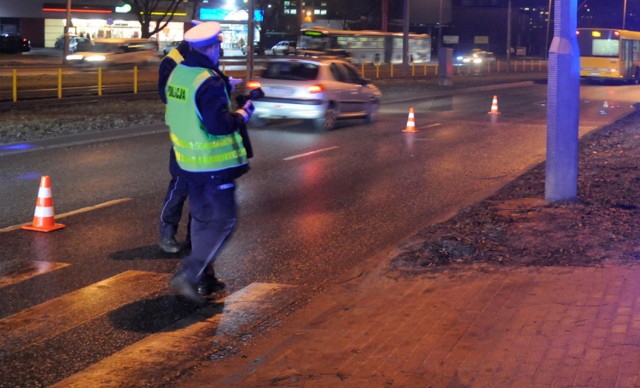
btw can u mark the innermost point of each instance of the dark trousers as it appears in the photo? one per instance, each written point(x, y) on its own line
point(213, 215)
point(173, 201)
point(172, 207)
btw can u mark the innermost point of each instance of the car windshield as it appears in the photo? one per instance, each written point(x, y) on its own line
point(297, 71)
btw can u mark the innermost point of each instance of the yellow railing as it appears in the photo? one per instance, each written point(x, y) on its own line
point(32, 84)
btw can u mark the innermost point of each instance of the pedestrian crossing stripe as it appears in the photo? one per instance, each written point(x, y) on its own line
point(27, 270)
point(162, 356)
point(47, 320)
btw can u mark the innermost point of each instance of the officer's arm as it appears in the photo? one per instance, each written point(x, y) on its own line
point(212, 103)
point(166, 67)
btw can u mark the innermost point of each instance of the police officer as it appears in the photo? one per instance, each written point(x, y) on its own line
point(208, 148)
point(177, 189)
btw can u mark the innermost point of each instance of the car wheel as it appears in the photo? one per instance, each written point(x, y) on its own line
point(328, 122)
point(372, 112)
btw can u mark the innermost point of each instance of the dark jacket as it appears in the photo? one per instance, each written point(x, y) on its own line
point(166, 67)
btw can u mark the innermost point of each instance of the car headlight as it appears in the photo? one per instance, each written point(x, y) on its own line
point(95, 58)
point(466, 60)
point(460, 58)
point(74, 57)
point(477, 60)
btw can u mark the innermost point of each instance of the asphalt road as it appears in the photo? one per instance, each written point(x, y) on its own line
point(313, 205)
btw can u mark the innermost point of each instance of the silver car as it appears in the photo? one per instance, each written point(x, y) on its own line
point(116, 51)
point(320, 90)
point(284, 47)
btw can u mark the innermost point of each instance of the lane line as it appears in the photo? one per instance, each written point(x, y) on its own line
point(44, 321)
point(72, 213)
point(28, 270)
point(158, 357)
point(311, 153)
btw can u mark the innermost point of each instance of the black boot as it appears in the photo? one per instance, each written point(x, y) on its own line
point(169, 245)
point(209, 284)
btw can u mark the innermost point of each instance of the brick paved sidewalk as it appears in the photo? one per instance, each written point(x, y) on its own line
point(553, 326)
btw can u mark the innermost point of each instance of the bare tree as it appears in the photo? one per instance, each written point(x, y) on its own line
point(148, 11)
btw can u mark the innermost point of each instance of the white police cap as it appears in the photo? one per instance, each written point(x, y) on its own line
point(204, 34)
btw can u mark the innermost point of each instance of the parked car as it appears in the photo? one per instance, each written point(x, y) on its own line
point(169, 46)
point(318, 89)
point(116, 51)
point(76, 43)
point(477, 57)
point(284, 47)
point(14, 43)
point(257, 49)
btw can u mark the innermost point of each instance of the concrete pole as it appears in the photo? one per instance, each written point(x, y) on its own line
point(509, 36)
point(405, 39)
point(546, 37)
point(250, 37)
point(385, 15)
point(67, 37)
point(563, 105)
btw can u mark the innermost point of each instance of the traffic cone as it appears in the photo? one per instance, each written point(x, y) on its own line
point(494, 106)
point(411, 122)
point(43, 219)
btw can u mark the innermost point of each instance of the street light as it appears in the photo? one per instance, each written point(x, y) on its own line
point(439, 45)
point(546, 38)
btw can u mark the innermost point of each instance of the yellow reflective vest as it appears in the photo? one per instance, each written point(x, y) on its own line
point(196, 149)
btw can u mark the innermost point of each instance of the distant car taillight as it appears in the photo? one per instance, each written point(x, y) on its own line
point(315, 89)
point(253, 84)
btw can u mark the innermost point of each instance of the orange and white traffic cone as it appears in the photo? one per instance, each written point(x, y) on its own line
point(43, 219)
point(494, 106)
point(411, 122)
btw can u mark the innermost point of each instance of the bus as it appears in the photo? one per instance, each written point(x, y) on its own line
point(363, 46)
point(609, 54)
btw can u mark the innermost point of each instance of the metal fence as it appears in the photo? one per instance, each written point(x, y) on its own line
point(57, 83)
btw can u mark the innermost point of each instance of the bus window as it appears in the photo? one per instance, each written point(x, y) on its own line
point(605, 48)
point(602, 44)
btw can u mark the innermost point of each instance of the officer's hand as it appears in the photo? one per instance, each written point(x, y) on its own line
point(247, 110)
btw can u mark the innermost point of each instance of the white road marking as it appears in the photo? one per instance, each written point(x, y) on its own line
point(34, 268)
point(311, 153)
point(71, 213)
point(44, 321)
point(160, 356)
